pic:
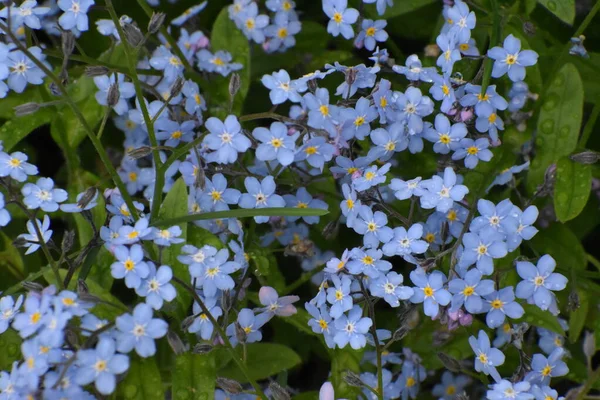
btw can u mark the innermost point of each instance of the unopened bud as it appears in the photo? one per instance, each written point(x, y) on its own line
point(234, 84)
point(202, 348)
point(586, 157)
point(96, 70)
point(20, 242)
point(67, 42)
point(133, 35)
point(351, 76)
point(352, 379)
point(156, 22)
point(226, 300)
point(187, 322)
point(529, 28)
point(32, 286)
point(229, 385)
point(400, 333)
point(278, 392)
point(589, 345)
point(573, 302)
point(140, 152)
point(67, 241)
point(428, 263)
point(331, 230)
point(175, 342)
point(462, 396)
point(87, 197)
point(82, 288)
point(200, 179)
point(113, 95)
point(26, 109)
point(54, 89)
point(312, 85)
point(72, 338)
point(450, 363)
point(90, 298)
point(240, 334)
point(176, 87)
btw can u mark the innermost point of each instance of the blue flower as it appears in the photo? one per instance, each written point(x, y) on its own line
point(549, 341)
point(450, 386)
point(443, 91)
point(500, 304)
point(250, 324)
point(35, 364)
point(163, 60)
point(352, 329)
point(413, 107)
point(174, 133)
point(349, 168)
point(413, 70)
point(126, 91)
point(303, 199)
point(32, 237)
point(156, 112)
point(8, 310)
point(321, 114)
point(168, 236)
point(490, 124)
point(202, 325)
point(383, 101)
point(507, 175)
point(31, 320)
point(139, 330)
point(430, 291)
point(282, 88)
point(409, 379)
point(468, 291)
point(373, 227)
point(372, 176)
point(316, 152)
point(364, 77)
point(539, 282)
point(133, 234)
point(463, 21)
point(441, 193)
point(194, 102)
point(371, 33)
point(43, 195)
point(485, 104)
point(100, 365)
point(511, 60)
point(388, 142)
point(226, 139)
point(450, 54)
point(275, 305)
point(446, 137)
point(260, 195)
point(350, 205)
point(544, 393)
point(75, 14)
point(72, 304)
point(27, 13)
point(506, 390)
point(341, 18)
point(339, 296)
point(217, 196)
point(473, 151)
point(390, 288)
point(481, 249)
point(406, 243)
point(497, 218)
point(381, 4)
point(368, 262)
point(16, 166)
point(216, 273)
point(525, 229)
point(389, 390)
point(130, 265)
point(189, 13)
point(487, 358)
point(79, 206)
point(281, 32)
point(275, 144)
point(406, 189)
point(357, 120)
point(254, 24)
point(545, 368)
point(321, 322)
point(157, 286)
point(220, 62)
point(196, 258)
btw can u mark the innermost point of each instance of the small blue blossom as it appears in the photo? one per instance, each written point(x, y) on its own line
point(80, 206)
point(413, 107)
point(450, 53)
point(525, 229)
point(196, 258)
point(388, 141)
point(9, 308)
point(226, 139)
point(442, 90)
point(75, 14)
point(28, 14)
point(372, 176)
point(413, 70)
point(216, 273)
point(381, 5)
point(485, 104)
point(281, 32)
point(16, 166)
point(130, 265)
point(139, 330)
point(390, 288)
point(539, 282)
point(490, 124)
point(511, 60)
point(352, 329)
point(406, 243)
point(168, 236)
point(282, 88)
point(202, 325)
point(43, 195)
point(126, 91)
point(100, 365)
point(157, 287)
point(481, 249)
point(357, 120)
point(194, 102)
point(441, 192)
point(217, 196)
point(543, 369)
point(487, 358)
point(132, 234)
point(31, 320)
point(341, 18)
point(463, 21)
point(506, 390)
point(408, 382)
point(406, 189)
point(339, 296)
point(430, 291)
point(500, 304)
point(174, 133)
point(468, 291)
point(373, 227)
point(473, 151)
point(303, 199)
point(32, 237)
point(260, 195)
point(371, 33)
point(446, 137)
point(368, 262)
point(275, 305)
point(275, 144)
point(450, 386)
point(350, 205)
point(316, 152)
point(250, 324)
point(219, 62)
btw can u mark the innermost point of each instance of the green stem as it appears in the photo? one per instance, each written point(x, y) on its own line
point(88, 130)
point(589, 125)
point(587, 386)
point(223, 335)
point(489, 63)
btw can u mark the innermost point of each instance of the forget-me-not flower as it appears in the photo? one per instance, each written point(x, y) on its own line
point(430, 291)
point(100, 365)
point(487, 358)
point(511, 60)
point(539, 281)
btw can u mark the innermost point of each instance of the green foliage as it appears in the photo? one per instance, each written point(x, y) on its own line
point(194, 376)
point(571, 189)
point(543, 319)
point(563, 9)
point(142, 381)
point(562, 245)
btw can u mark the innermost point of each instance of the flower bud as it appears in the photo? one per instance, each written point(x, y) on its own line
point(529, 28)
point(26, 109)
point(176, 87)
point(187, 322)
point(175, 342)
point(90, 298)
point(229, 385)
point(67, 241)
point(71, 338)
point(82, 287)
point(54, 89)
point(133, 35)
point(331, 230)
point(201, 348)
point(32, 286)
point(87, 197)
point(278, 392)
point(589, 345)
point(113, 95)
point(156, 22)
point(353, 379)
point(586, 157)
point(96, 70)
point(451, 363)
point(140, 152)
point(68, 43)
point(573, 302)
point(240, 334)
point(234, 84)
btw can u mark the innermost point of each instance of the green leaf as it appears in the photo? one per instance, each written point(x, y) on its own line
point(263, 360)
point(17, 129)
point(571, 189)
point(342, 361)
point(588, 70)
point(242, 213)
point(399, 8)
point(562, 245)
point(194, 376)
point(174, 207)
point(578, 318)
point(10, 349)
point(558, 123)
point(199, 237)
point(563, 9)
point(10, 258)
point(266, 269)
point(313, 395)
point(226, 36)
point(142, 382)
point(543, 319)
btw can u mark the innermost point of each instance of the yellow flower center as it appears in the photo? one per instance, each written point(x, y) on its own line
point(174, 61)
point(310, 150)
point(390, 146)
point(324, 109)
point(176, 135)
point(451, 216)
point(445, 90)
point(132, 176)
point(511, 59)
point(445, 138)
point(369, 175)
point(483, 358)
point(497, 304)
point(484, 97)
point(370, 31)
point(350, 203)
point(323, 324)
point(473, 150)
point(464, 46)
point(35, 317)
point(371, 226)
point(450, 390)
point(383, 102)
point(282, 33)
point(428, 291)
point(430, 237)
point(339, 295)
point(248, 329)
point(14, 162)
point(218, 61)
point(359, 121)
point(482, 249)
point(410, 381)
point(129, 265)
point(67, 301)
point(468, 291)
point(368, 260)
point(492, 118)
point(337, 17)
point(215, 195)
point(250, 23)
point(301, 205)
point(277, 143)
point(100, 365)
point(547, 370)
